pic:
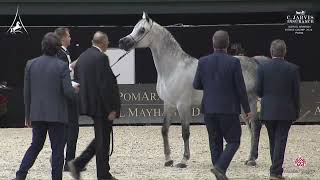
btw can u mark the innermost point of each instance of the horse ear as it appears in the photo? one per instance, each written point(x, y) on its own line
point(145, 16)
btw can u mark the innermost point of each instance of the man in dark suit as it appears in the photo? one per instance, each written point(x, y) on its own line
point(278, 87)
point(220, 77)
point(47, 85)
point(99, 99)
point(72, 128)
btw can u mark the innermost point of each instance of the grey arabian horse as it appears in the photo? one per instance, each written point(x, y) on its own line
point(176, 70)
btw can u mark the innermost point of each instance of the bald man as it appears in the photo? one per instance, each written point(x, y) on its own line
point(99, 99)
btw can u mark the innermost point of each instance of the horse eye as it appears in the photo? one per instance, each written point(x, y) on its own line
point(142, 30)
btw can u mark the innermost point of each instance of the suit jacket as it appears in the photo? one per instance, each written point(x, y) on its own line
point(99, 92)
point(47, 86)
point(279, 88)
point(62, 54)
point(220, 77)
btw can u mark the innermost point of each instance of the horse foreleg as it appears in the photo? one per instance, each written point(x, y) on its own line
point(185, 116)
point(165, 135)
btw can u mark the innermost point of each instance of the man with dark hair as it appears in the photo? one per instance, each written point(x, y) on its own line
point(47, 85)
point(279, 89)
point(72, 127)
point(99, 99)
point(220, 77)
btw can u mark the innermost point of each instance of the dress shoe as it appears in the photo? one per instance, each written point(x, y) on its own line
point(276, 177)
point(75, 173)
point(67, 169)
point(220, 175)
point(250, 163)
point(112, 178)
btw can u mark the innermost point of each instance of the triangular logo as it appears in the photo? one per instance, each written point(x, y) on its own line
point(17, 25)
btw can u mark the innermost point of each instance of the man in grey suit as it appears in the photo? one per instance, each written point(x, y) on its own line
point(278, 87)
point(47, 85)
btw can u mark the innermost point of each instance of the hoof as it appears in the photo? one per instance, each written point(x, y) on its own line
point(168, 163)
point(250, 163)
point(181, 165)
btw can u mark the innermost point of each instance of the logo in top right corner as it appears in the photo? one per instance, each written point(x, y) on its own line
point(300, 22)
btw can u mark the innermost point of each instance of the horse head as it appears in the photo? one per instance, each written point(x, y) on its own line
point(140, 35)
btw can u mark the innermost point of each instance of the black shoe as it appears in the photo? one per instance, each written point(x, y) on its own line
point(250, 163)
point(75, 173)
point(83, 169)
point(112, 178)
point(67, 169)
point(219, 174)
point(276, 177)
point(20, 178)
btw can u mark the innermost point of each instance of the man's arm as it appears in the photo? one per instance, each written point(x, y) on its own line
point(260, 81)
point(27, 90)
point(197, 82)
point(241, 87)
point(296, 92)
point(68, 90)
point(109, 91)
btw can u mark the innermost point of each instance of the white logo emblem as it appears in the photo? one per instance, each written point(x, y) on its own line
point(300, 12)
point(300, 22)
point(17, 25)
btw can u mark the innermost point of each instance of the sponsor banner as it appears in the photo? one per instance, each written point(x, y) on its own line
point(142, 105)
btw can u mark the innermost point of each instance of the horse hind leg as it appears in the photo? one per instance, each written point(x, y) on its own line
point(254, 127)
point(165, 135)
point(185, 116)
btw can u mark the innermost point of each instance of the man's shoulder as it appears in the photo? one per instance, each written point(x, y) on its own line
point(203, 59)
point(207, 58)
point(55, 61)
point(31, 61)
point(291, 65)
point(233, 59)
point(230, 59)
point(215, 56)
point(268, 63)
point(91, 52)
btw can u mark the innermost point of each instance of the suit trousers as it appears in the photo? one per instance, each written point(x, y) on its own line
point(72, 130)
point(219, 127)
point(278, 134)
point(100, 146)
point(39, 133)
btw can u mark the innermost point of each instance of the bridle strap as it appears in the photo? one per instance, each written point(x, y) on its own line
point(135, 43)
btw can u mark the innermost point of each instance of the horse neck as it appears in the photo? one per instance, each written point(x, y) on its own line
point(165, 50)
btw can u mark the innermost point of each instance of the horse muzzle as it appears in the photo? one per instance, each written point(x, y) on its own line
point(126, 43)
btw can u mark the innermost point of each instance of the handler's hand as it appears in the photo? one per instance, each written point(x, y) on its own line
point(112, 115)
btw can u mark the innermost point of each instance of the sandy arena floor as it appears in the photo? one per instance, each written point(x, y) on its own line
point(139, 154)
